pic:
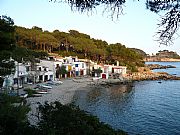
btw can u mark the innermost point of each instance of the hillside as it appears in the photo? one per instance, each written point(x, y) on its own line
point(78, 44)
point(164, 55)
point(139, 51)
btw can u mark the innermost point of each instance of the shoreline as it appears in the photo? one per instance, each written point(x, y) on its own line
point(161, 60)
point(151, 76)
point(64, 93)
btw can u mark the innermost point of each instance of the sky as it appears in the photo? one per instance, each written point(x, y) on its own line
point(135, 29)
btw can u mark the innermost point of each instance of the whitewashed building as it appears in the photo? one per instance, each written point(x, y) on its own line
point(109, 70)
point(20, 76)
point(79, 68)
point(47, 69)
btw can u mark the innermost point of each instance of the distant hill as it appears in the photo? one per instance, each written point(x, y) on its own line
point(164, 55)
point(139, 51)
point(167, 54)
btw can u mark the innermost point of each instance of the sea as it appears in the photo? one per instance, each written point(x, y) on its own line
point(145, 107)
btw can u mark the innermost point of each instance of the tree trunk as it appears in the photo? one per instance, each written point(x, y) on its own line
point(44, 47)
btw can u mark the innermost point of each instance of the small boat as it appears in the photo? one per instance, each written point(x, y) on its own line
point(23, 95)
point(159, 82)
point(37, 95)
point(42, 91)
point(44, 86)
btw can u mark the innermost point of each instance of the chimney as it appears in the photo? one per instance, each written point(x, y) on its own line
point(117, 63)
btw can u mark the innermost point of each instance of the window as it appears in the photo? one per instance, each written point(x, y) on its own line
point(76, 65)
point(27, 68)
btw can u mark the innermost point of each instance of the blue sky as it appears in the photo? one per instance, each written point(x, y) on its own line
point(134, 29)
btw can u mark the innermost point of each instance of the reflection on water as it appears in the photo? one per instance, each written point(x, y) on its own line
point(146, 108)
point(92, 96)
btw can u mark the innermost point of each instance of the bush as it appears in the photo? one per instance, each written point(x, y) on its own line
point(13, 117)
point(70, 120)
point(30, 92)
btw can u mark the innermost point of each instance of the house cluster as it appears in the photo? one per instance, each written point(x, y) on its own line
point(48, 69)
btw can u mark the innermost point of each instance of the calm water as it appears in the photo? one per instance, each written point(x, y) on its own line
point(148, 107)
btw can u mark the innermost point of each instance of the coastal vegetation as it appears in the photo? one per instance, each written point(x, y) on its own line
point(55, 119)
point(9, 48)
point(13, 119)
point(78, 44)
point(26, 44)
point(163, 55)
point(70, 120)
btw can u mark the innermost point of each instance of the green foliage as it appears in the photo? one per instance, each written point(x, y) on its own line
point(70, 120)
point(56, 119)
point(139, 51)
point(7, 66)
point(78, 44)
point(30, 92)
point(98, 71)
point(20, 53)
point(126, 56)
point(13, 118)
point(6, 33)
point(6, 43)
point(61, 70)
point(35, 39)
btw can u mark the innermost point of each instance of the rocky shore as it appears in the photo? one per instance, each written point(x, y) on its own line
point(157, 66)
point(152, 76)
point(65, 92)
point(146, 74)
point(157, 59)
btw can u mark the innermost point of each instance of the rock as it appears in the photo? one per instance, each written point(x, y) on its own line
point(157, 66)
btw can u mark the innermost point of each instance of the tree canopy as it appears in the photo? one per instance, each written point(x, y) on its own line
point(7, 43)
point(79, 44)
point(6, 33)
point(31, 43)
point(9, 49)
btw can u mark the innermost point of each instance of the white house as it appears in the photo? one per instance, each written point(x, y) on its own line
point(48, 69)
point(70, 59)
point(109, 70)
point(21, 74)
point(19, 77)
point(79, 68)
point(44, 74)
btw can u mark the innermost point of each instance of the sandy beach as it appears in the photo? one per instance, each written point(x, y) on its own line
point(63, 93)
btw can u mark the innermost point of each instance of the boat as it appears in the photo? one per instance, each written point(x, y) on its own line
point(54, 83)
point(44, 86)
point(37, 95)
point(23, 95)
point(42, 91)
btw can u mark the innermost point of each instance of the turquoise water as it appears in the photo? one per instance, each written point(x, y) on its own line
point(148, 107)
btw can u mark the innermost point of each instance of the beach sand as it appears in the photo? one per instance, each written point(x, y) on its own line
point(63, 93)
